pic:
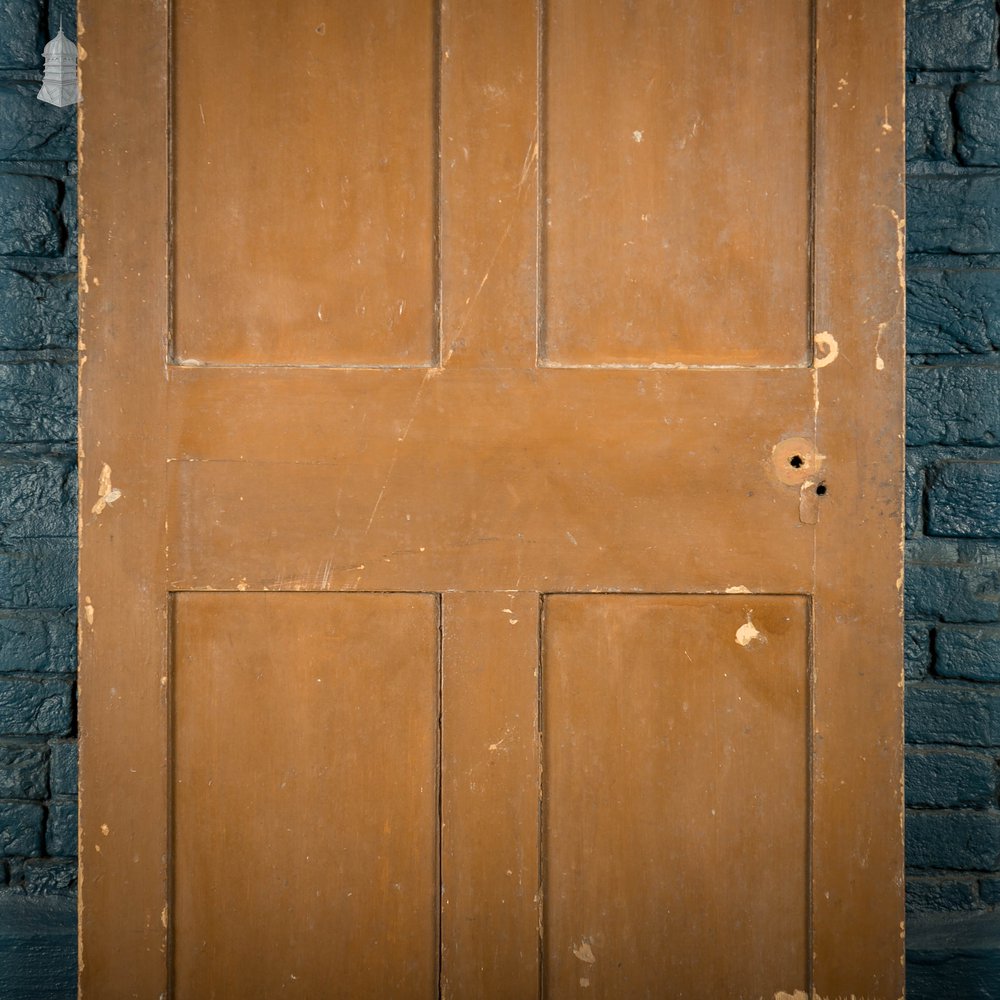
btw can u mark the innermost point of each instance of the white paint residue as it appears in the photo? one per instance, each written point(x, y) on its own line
point(585, 953)
point(88, 611)
point(738, 590)
point(106, 493)
point(637, 135)
point(748, 633)
point(828, 345)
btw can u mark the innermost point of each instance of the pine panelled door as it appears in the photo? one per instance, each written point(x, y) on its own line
point(491, 466)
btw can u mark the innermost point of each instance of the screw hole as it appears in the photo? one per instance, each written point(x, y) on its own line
point(821, 490)
point(796, 461)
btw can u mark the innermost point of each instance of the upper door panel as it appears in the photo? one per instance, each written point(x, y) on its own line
point(676, 172)
point(304, 149)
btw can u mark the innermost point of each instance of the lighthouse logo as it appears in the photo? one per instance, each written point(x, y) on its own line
point(59, 84)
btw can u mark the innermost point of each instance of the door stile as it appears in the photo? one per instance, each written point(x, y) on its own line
point(857, 629)
point(490, 795)
point(489, 183)
point(123, 601)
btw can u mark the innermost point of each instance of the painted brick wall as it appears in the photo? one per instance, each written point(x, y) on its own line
point(37, 512)
point(953, 500)
point(953, 504)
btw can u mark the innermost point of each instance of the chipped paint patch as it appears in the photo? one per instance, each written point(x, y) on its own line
point(797, 995)
point(88, 611)
point(584, 952)
point(747, 634)
point(826, 343)
point(738, 590)
point(106, 493)
point(163, 916)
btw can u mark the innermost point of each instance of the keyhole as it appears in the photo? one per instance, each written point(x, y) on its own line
point(796, 461)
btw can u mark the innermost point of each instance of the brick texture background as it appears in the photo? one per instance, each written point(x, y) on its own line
point(953, 466)
point(953, 481)
point(37, 462)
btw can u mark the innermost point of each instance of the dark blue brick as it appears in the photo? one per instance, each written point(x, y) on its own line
point(953, 840)
point(914, 496)
point(35, 706)
point(37, 947)
point(950, 778)
point(929, 892)
point(953, 311)
point(916, 650)
point(37, 644)
point(46, 877)
point(37, 402)
point(68, 210)
point(950, 34)
point(24, 644)
point(989, 891)
point(953, 214)
point(977, 119)
point(21, 34)
point(953, 404)
point(31, 129)
point(969, 653)
point(23, 772)
point(60, 829)
point(928, 123)
point(953, 956)
point(953, 593)
point(40, 575)
point(952, 713)
point(37, 499)
point(64, 767)
point(964, 500)
point(37, 312)
point(29, 215)
point(62, 14)
point(62, 642)
point(21, 829)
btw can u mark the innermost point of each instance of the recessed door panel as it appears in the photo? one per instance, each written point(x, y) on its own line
point(304, 787)
point(304, 150)
point(675, 796)
point(676, 167)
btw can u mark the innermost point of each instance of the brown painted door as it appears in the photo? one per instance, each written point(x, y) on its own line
point(491, 499)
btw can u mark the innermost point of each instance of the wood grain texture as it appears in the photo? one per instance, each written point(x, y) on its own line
point(489, 183)
point(304, 198)
point(676, 160)
point(305, 802)
point(857, 631)
point(124, 308)
point(490, 772)
point(675, 795)
point(483, 469)
point(548, 480)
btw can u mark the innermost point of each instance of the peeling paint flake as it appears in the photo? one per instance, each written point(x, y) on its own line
point(106, 493)
point(827, 345)
point(748, 634)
